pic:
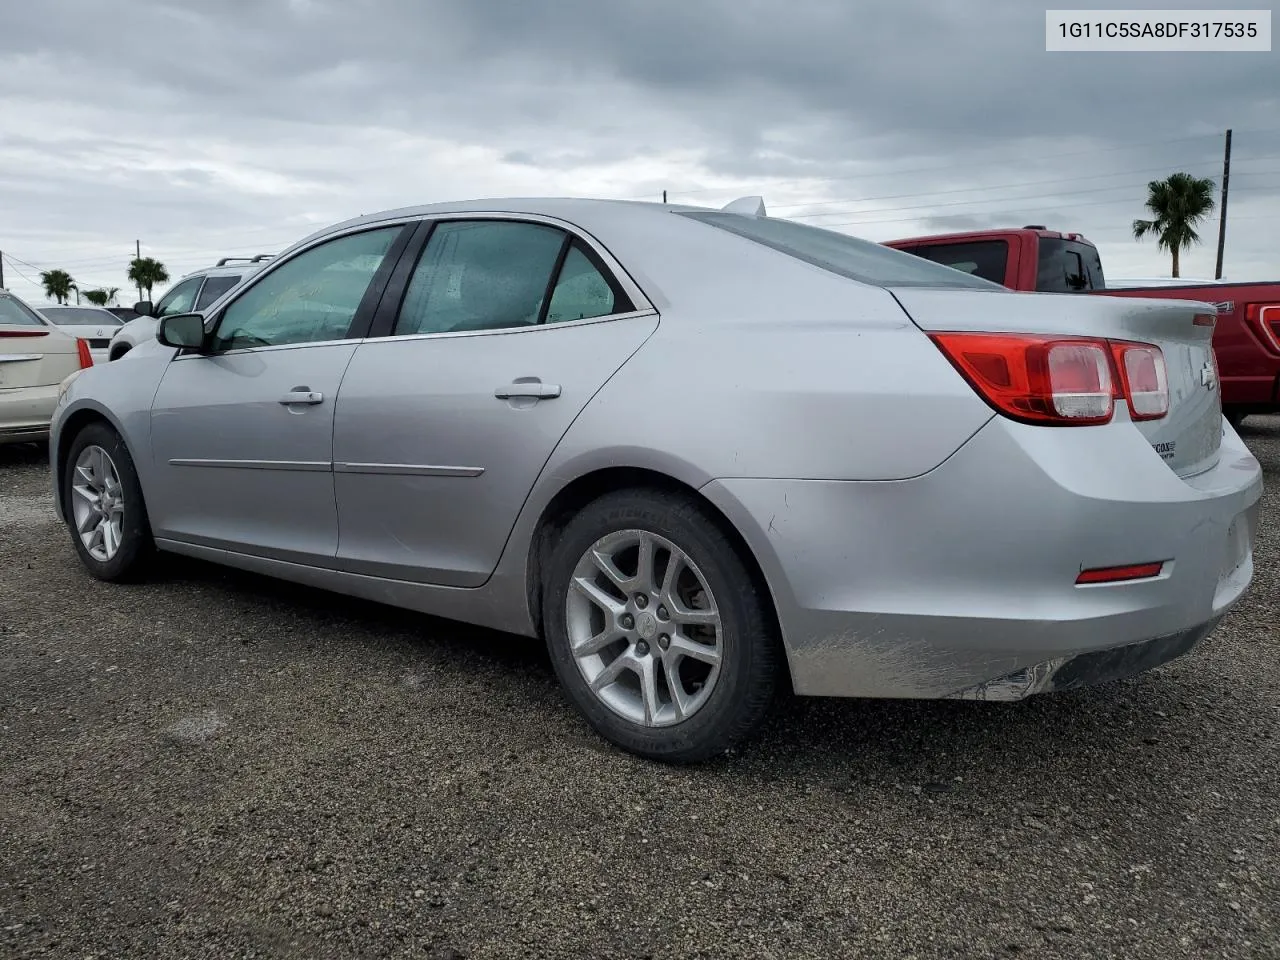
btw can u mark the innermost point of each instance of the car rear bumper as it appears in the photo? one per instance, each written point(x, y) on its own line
point(25, 413)
point(961, 582)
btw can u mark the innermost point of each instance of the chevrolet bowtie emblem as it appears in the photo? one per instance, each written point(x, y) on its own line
point(1208, 377)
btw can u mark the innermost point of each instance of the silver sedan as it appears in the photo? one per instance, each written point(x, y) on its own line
point(706, 455)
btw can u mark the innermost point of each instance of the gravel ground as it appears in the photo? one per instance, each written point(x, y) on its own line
point(219, 765)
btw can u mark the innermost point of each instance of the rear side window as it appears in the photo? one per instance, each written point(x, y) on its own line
point(213, 288)
point(840, 253)
point(1068, 266)
point(16, 314)
point(988, 259)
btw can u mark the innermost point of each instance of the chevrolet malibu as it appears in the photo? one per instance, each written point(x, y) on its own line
point(705, 455)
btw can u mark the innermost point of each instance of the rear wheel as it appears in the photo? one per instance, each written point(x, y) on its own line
point(1234, 417)
point(104, 507)
point(658, 631)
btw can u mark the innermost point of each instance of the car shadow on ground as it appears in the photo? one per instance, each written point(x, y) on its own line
point(823, 741)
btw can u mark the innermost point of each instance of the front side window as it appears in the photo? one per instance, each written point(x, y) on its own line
point(15, 313)
point(181, 299)
point(480, 275)
point(841, 254)
point(213, 288)
point(987, 259)
point(311, 298)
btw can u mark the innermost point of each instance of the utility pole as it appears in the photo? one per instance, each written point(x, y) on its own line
point(138, 256)
point(664, 196)
point(1222, 222)
point(1, 269)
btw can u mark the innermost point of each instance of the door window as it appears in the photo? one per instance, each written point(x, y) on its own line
point(310, 298)
point(180, 299)
point(480, 275)
point(582, 291)
point(215, 287)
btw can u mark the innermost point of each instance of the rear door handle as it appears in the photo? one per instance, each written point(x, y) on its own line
point(535, 389)
point(301, 396)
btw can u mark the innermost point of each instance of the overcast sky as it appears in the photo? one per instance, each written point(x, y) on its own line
point(209, 129)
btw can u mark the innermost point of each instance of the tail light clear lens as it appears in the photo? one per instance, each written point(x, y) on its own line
point(82, 348)
point(1144, 379)
point(1060, 381)
point(1080, 381)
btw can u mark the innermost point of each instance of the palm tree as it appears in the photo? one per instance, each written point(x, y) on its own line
point(101, 297)
point(146, 272)
point(1180, 204)
point(57, 284)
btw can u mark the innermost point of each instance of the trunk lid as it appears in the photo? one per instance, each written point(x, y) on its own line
point(1188, 437)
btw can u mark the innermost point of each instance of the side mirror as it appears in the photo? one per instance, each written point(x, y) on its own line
point(182, 330)
point(144, 308)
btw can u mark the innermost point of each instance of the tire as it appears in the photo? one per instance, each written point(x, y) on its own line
point(729, 703)
point(117, 354)
point(135, 548)
point(1234, 417)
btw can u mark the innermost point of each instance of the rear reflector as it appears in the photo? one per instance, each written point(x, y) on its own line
point(1136, 571)
point(82, 348)
point(24, 333)
point(1205, 319)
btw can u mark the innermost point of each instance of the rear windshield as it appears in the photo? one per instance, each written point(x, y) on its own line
point(842, 254)
point(987, 259)
point(15, 313)
point(78, 316)
point(1068, 266)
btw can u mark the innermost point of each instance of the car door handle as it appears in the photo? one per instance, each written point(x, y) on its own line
point(301, 396)
point(536, 389)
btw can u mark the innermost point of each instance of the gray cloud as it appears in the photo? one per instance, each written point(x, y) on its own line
point(226, 128)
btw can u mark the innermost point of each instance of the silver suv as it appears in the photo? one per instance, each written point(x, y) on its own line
point(193, 292)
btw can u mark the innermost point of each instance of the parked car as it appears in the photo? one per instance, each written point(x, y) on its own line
point(35, 358)
point(195, 291)
point(702, 453)
point(1247, 335)
point(95, 324)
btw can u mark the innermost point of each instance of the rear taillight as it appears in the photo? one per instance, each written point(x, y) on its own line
point(24, 333)
point(1060, 381)
point(1265, 318)
point(1144, 381)
point(82, 348)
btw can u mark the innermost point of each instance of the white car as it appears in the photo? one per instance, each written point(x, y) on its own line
point(36, 357)
point(195, 291)
point(95, 324)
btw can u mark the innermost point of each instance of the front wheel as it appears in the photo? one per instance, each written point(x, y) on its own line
point(105, 511)
point(658, 632)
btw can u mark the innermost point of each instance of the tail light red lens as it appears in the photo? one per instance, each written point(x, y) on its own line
point(82, 348)
point(1060, 381)
point(24, 333)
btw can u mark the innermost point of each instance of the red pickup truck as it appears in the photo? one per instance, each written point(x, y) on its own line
point(1246, 339)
